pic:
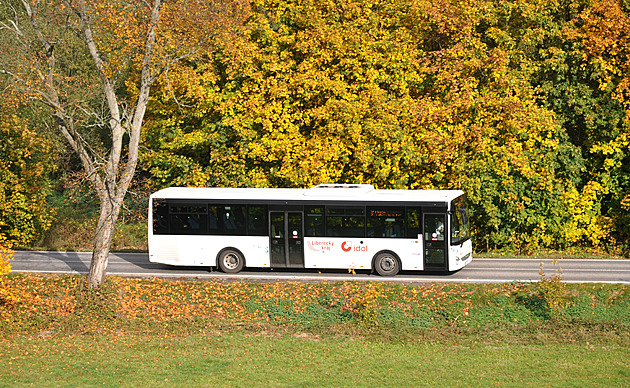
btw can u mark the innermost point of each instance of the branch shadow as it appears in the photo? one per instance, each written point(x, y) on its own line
point(71, 259)
point(141, 260)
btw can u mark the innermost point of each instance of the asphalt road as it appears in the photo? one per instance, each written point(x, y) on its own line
point(479, 271)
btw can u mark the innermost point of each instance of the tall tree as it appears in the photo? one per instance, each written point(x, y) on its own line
point(92, 66)
point(604, 30)
point(402, 94)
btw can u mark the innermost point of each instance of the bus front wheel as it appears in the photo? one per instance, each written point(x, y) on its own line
point(386, 264)
point(231, 261)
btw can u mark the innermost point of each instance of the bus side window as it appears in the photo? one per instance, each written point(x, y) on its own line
point(178, 225)
point(385, 222)
point(213, 219)
point(257, 224)
point(353, 226)
point(160, 217)
point(188, 219)
point(315, 226)
point(334, 226)
point(233, 220)
point(345, 221)
point(414, 227)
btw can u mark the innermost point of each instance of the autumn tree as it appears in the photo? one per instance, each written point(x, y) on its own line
point(404, 94)
point(92, 66)
point(575, 56)
point(604, 31)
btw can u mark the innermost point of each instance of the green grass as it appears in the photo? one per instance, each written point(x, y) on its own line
point(301, 360)
point(148, 332)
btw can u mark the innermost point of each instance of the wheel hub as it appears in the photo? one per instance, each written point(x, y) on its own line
point(387, 264)
point(231, 261)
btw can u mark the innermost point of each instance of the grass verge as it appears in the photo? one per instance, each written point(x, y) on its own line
point(55, 331)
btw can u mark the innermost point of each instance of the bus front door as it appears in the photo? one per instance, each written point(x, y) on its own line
point(435, 242)
point(287, 239)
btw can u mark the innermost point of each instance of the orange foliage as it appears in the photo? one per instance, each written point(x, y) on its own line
point(606, 34)
point(159, 301)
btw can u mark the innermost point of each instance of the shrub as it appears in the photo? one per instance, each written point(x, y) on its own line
point(6, 296)
point(5, 256)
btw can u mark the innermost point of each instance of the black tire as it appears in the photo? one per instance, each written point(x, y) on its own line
point(386, 264)
point(231, 261)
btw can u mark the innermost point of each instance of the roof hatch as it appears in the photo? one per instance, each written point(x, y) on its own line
point(338, 189)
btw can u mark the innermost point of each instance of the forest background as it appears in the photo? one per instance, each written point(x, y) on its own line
point(522, 104)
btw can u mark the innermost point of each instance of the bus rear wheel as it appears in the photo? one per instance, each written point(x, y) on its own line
point(231, 261)
point(386, 264)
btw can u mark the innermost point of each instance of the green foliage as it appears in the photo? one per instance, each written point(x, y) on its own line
point(501, 310)
point(314, 315)
point(572, 53)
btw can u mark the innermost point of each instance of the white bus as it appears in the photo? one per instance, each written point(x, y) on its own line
point(334, 226)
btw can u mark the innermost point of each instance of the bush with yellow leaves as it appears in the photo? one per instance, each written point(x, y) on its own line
point(6, 254)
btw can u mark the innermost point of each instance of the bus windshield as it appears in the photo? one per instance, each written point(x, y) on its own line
point(459, 221)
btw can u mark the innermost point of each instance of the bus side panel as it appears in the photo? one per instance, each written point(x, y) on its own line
point(459, 255)
point(412, 256)
point(357, 253)
point(203, 250)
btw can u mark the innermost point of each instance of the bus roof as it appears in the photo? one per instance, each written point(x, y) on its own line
point(326, 192)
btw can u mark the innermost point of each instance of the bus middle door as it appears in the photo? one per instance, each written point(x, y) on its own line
point(287, 239)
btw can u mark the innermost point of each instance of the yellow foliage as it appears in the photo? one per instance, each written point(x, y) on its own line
point(6, 255)
point(25, 164)
point(614, 150)
point(587, 223)
point(8, 296)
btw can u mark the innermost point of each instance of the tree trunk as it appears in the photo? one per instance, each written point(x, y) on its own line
point(102, 241)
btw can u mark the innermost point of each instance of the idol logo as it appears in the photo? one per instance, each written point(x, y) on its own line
point(346, 246)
